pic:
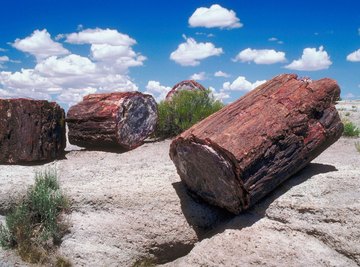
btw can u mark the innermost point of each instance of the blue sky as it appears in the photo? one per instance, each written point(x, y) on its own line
point(62, 50)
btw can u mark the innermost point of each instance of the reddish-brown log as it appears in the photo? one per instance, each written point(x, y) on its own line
point(236, 156)
point(122, 119)
point(31, 130)
point(187, 85)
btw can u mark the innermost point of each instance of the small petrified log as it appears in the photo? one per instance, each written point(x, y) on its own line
point(122, 119)
point(31, 130)
point(236, 156)
point(187, 85)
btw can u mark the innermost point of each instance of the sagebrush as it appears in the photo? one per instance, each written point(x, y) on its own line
point(350, 129)
point(184, 110)
point(33, 227)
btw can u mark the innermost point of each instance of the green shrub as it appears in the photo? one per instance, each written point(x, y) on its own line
point(18, 227)
point(34, 226)
point(350, 129)
point(184, 110)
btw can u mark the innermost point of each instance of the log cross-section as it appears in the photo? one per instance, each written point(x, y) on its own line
point(239, 154)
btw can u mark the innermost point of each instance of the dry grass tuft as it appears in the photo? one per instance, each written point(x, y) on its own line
point(33, 227)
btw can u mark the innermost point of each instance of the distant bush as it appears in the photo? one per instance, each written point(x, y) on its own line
point(350, 129)
point(33, 226)
point(184, 110)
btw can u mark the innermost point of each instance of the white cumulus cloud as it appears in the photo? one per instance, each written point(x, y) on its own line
point(191, 52)
point(157, 90)
point(61, 76)
point(241, 84)
point(354, 56)
point(214, 17)
point(311, 60)
point(221, 96)
point(100, 36)
point(75, 95)
point(198, 76)
point(66, 88)
point(108, 52)
point(221, 74)
point(26, 80)
point(40, 45)
point(119, 57)
point(71, 65)
point(260, 56)
point(112, 48)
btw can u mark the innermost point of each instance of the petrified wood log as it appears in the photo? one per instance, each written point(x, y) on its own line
point(239, 154)
point(31, 130)
point(187, 85)
point(123, 119)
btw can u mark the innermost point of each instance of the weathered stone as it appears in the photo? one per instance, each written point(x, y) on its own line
point(236, 156)
point(189, 85)
point(31, 130)
point(122, 119)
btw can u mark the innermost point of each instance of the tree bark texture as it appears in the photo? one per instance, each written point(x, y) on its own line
point(239, 154)
point(31, 130)
point(122, 120)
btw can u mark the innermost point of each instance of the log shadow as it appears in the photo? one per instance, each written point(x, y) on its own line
point(218, 220)
point(61, 156)
point(153, 140)
point(201, 216)
point(103, 148)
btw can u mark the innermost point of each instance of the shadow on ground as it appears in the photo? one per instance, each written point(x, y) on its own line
point(208, 220)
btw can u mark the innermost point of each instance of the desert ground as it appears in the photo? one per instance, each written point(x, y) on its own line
point(131, 208)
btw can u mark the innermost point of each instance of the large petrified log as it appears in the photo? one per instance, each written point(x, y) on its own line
point(122, 119)
point(31, 130)
point(238, 155)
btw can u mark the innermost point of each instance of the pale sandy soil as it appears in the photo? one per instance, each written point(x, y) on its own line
point(131, 206)
point(350, 110)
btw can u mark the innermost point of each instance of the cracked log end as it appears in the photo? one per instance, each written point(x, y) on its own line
point(209, 172)
point(137, 120)
point(238, 155)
